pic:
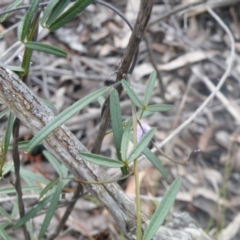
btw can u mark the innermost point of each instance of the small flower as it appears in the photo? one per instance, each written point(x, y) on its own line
point(141, 130)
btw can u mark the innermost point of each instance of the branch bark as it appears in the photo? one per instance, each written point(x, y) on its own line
point(65, 147)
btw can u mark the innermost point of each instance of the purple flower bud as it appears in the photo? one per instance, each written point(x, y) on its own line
point(141, 131)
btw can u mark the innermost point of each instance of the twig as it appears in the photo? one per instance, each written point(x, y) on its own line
point(153, 62)
point(221, 82)
point(175, 10)
point(77, 193)
point(131, 50)
point(18, 187)
point(228, 105)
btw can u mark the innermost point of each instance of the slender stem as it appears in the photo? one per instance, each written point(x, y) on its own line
point(136, 175)
point(18, 187)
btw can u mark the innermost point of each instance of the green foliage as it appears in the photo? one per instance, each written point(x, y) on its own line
point(126, 139)
point(54, 23)
point(155, 161)
point(15, 4)
point(33, 212)
point(149, 88)
point(63, 117)
point(101, 160)
point(51, 210)
point(57, 14)
point(45, 48)
point(116, 119)
point(25, 23)
point(141, 145)
point(162, 210)
point(133, 96)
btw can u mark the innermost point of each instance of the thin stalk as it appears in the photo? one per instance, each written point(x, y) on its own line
point(136, 175)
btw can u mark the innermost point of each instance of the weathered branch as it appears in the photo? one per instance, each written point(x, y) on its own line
point(65, 147)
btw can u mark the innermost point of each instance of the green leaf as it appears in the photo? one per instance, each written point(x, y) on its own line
point(33, 176)
point(3, 113)
point(138, 149)
point(51, 210)
point(54, 162)
point(126, 139)
point(7, 168)
point(16, 69)
point(162, 210)
point(24, 189)
point(3, 233)
point(144, 115)
point(131, 94)
point(48, 10)
point(15, 4)
point(155, 161)
point(56, 11)
point(159, 108)
point(21, 145)
point(48, 187)
point(8, 132)
point(101, 160)
point(26, 21)
point(116, 120)
point(149, 88)
point(70, 14)
point(32, 213)
point(63, 117)
point(45, 48)
point(4, 213)
point(101, 100)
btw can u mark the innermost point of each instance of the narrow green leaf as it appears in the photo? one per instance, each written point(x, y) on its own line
point(162, 210)
point(3, 234)
point(116, 120)
point(70, 14)
point(48, 104)
point(48, 10)
point(24, 189)
point(63, 117)
point(138, 149)
point(45, 48)
point(15, 4)
point(101, 100)
point(3, 113)
point(159, 108)
point(51, 210)
point(155, 161)
point(4, 213)
point(149, 88)
point(126, 139)
point(7, 135)
point(33, 176)
point(101, 160)
point(132, 95)
point(32, 213)
point(56, 11)
point(54, 162)
point(21, 145)
point(7, 168)
point(25, 22)
point(144, 115)
point(48, 187)
point(16, 69)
